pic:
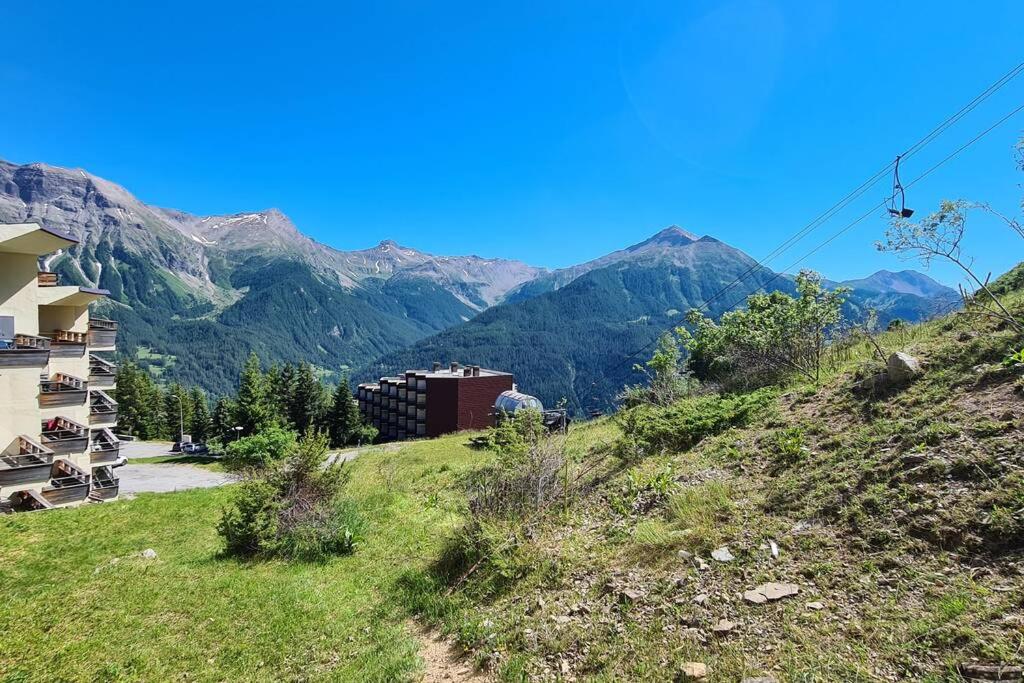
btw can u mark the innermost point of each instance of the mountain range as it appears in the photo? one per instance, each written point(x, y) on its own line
point(194, 295)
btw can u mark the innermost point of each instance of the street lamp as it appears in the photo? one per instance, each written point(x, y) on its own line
point(237, 431)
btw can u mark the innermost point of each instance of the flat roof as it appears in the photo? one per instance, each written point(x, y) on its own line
point(69, 295)
point(447, 372)
point(33, 239)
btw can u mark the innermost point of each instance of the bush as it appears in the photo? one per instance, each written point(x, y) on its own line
point(679, 427)
point(261, 450)
point(293, 507)
point(529, 471)
point(250, 525)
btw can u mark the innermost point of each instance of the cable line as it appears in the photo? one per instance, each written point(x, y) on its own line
point(916, 147)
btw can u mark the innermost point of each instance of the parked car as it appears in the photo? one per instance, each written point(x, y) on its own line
point(194, 448)
point(121, 461)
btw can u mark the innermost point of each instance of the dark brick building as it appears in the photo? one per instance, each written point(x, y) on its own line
point(433, 402)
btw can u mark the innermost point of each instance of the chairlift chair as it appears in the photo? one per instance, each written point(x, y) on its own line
point(897, 190)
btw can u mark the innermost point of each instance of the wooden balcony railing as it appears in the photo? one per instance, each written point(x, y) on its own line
point(68, 484)
point(104, 484)
point(102, 373)
point(31, 342)
point(102, 408)
point(62, 390)
point(46, 279)
point(104, 448)
point(102, 333)
point(66, 337)
point(24, 350)
point(63, 382)
point(31, 464)
point(62, 435)
point(102, 324)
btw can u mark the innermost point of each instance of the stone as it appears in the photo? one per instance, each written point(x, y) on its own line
point(723, 626)
point(991, 672)
point(148, 554)
point(777, 591)
point(816, 605)
point(759, 679)
point(902, 367)
point(685, 555)
point(694, 671)
point(755, 597)
point(722, 554)
point(700, 598)
point(875, 384)
point(630, 595)
point(561, 619)
point(770, 592)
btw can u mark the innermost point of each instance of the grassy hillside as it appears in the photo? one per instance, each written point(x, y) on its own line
point(898, 518)
point(80, 604)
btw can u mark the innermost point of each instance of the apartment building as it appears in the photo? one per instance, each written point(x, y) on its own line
point(57, 444)
point(427, 403)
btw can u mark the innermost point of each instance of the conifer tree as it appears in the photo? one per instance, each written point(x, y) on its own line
point(200, 424)
point(343, 420)
point(308, 399)
point(137, 414)
point(254, 411)
point(224, 412)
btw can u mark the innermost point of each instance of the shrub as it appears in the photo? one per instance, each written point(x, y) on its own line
point(261, 450)
point(293, 507)
point(651, 429)
point(529, 472)
point(772, 337)
point(250, 524)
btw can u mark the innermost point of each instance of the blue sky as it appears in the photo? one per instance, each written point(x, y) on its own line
point(552, 132)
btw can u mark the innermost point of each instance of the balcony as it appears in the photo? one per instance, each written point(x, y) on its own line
point(66, 343)
point(102, 408)
point(29, 462)
point(68, 484)
point(27, 501)
point(63, 436)
point(62, 390)
point(104, 484)
point(46, 279)
point(104, 448)
point(102, 373)
point(24, 351)
point(102, 333)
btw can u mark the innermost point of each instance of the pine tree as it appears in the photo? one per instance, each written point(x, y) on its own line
point(343, 419)
point(224, 412)
point(140, 405)
point(281, 380)
point(254, 410)
point(308, 399)
point(200, 424)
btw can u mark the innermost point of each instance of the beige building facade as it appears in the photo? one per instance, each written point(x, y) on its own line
point(57, 414)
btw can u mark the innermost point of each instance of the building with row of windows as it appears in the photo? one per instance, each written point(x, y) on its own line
point(428, 403)
point(57, 414)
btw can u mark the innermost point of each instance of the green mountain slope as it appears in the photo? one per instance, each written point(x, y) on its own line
point(574, 343)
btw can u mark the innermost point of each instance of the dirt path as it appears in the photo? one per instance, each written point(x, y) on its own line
point(443, 662)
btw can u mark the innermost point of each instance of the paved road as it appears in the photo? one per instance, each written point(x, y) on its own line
point(163, 477)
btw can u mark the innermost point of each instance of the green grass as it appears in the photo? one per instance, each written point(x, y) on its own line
point(205, 461)
point(81, 605)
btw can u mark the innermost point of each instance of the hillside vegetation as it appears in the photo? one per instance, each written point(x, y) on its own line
point(885, 529)
point(803, 532)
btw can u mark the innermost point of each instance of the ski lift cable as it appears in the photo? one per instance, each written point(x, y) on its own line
point(855, 222)
point(870, 182)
